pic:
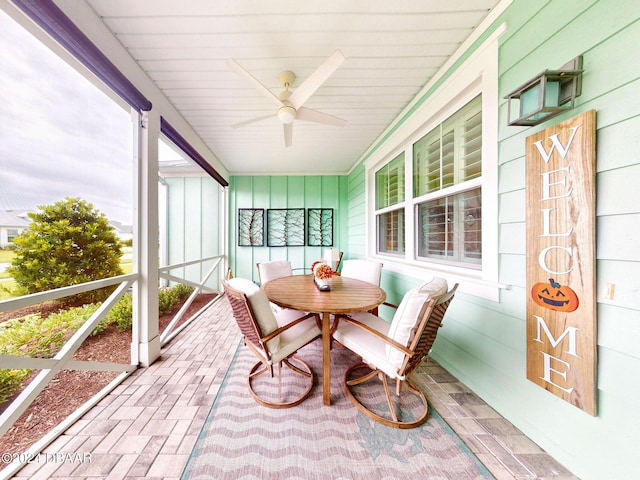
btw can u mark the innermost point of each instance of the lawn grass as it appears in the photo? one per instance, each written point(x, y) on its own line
point(6, 256)
point(6, 288)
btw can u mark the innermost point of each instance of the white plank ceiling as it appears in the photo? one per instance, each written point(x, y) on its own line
point(392, 49)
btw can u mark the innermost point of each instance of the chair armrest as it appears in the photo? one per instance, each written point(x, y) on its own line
point(392, 305)
point(375, 332)
point(286, 327)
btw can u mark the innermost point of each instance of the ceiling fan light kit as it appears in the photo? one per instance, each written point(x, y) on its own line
point(287, 114)
point(290, 104)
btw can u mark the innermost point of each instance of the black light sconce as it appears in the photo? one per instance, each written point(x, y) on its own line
point(546, 95)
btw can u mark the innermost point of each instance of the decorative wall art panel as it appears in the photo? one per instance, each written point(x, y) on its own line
point(285, 227)
point(250, 227)
point(320, 227)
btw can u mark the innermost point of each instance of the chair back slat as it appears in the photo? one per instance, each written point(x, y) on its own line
point(432, 316)
point(245, 318)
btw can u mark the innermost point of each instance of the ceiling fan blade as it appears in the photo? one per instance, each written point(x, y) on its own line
point(316, 79)
point(239, 69)
point(310, 115)
point(251, 120)
point(288, 134)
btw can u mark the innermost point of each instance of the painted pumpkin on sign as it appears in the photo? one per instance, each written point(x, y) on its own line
point(554, 296)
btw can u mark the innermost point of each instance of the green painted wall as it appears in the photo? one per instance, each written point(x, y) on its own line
point(284, 192)
point(483, 342)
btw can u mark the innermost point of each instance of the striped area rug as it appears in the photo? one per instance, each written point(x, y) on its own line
point(244, 440)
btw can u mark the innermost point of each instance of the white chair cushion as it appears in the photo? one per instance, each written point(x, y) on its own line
point(275, 269)
point(261, 309)
point(365, 270)
point(292, 339)
point(405, 319)
point(369, 347)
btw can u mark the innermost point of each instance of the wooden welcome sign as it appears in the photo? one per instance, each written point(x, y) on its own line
point(561, 293)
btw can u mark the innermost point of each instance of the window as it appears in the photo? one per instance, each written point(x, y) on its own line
point(446, 197)
point(390, 206)
point(447, 166)
point(11, 234)
point(450, 228)
point(432, 185)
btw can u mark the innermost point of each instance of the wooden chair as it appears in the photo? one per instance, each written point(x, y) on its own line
point(274, 339)
point(395, 350)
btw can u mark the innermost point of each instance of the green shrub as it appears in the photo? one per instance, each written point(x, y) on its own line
point(121, 314)
point(167, 298)
point(10, 381)
point(33, 336)
point(182, 291)
point(67, 243)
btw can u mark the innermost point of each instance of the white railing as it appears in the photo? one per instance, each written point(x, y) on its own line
point(170, 332)
point(63, 359)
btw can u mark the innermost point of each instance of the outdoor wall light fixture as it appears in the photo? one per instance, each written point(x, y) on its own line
point(546, 95)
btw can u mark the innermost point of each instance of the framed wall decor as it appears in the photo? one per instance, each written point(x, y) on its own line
point(285, 227)
point(320, 227)
point(251, 227)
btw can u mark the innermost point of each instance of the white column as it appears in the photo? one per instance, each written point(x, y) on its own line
point(146, 339)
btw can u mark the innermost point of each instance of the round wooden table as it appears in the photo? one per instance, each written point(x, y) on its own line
point(347, 295)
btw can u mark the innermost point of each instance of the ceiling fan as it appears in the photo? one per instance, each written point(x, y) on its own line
point(290, 103)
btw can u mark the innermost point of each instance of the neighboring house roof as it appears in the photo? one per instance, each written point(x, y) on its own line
point(120, 227)
point(14, 218)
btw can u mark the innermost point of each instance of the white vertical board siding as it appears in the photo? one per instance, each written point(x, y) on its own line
point(176, 236)
point(194, 225)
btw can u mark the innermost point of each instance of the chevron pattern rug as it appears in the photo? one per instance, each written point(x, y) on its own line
point(244, 440)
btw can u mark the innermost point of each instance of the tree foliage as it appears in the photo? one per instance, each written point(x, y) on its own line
point(67, 243)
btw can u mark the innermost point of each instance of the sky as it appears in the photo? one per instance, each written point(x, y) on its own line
point(59, 135)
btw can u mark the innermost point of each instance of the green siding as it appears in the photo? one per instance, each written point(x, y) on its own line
point(284, 192)
point(357, 231)
point(482, 342)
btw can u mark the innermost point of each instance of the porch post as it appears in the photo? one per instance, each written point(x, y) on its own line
point(146, 344)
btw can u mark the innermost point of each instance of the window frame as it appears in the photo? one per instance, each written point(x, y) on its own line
point(382, 211)
point(438, 101)
point(449, 191)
